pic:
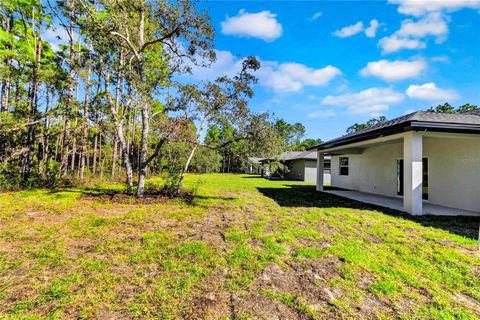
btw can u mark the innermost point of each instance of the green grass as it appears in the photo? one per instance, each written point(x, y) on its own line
point(245, 247)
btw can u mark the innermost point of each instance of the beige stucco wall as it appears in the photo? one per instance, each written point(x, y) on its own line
point(372, 171)
point(454, 171)
point(297, 170)
point(306, 170)
point(310, 171)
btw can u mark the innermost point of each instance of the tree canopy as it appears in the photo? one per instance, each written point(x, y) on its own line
point(362, 126)
point(448, 108)
point(104, 99)
point(106, 102)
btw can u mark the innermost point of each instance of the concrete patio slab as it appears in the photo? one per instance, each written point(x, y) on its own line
point(397, 203)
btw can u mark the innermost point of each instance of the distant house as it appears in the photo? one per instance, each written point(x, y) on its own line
point(298, 165)
point(254, 166)
point(421, 163)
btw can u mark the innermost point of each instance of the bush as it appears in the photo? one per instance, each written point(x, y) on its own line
point(206, 160)
point(9, 176)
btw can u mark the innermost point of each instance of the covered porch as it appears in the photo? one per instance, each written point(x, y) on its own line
point(397, 203)
point(403, 172)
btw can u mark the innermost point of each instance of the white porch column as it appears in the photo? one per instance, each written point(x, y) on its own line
point(320, 164)
point(413, 174)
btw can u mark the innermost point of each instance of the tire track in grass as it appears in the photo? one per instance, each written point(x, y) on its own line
point(233, 299)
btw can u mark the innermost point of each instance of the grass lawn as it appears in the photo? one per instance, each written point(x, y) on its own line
point(244, 248)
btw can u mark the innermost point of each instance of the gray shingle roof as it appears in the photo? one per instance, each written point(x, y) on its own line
point(475, 112)
point(307, 155)
point(254, 160)
point(287, 155)
point(425, 116)
point(442, 121)
point(295, 155)
point(460, 118)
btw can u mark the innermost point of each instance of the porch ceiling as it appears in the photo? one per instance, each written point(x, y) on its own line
point(397, 203)
point(359, 147)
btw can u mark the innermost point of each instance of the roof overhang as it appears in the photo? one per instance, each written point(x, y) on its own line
point(396, 129)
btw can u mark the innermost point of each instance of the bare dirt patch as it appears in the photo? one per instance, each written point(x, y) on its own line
point(148, 198)
point(308, 280)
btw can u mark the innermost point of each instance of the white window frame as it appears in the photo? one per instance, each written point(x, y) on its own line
point(340, 166)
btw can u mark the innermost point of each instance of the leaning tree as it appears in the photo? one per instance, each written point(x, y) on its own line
point(157, 39)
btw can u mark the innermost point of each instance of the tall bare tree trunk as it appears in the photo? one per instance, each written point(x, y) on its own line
point(5, 90)
point(57, 143)
point(100, 153)
point(16, 100)
point(114, 155)
point(95, 142)
point(45, 137)
point(27, 159)
point(142, 165)
point(142, 173)
point(121, 137)
point(74, 140)
point(102, 166)
point(125, 156)
point(88, 158)
point(5, 93)
point(117, 95)
point(69, 102)
point(133, 132)
point(84, 145)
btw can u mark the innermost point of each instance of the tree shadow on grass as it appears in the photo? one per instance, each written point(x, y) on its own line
point(120, 196)
point(87, 191)
point(307, 196)
point(214, 198)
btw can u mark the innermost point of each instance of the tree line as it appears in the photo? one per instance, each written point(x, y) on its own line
point(441, 108)
point(108, 102)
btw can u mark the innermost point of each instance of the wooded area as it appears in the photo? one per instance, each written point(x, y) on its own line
point(108, 103)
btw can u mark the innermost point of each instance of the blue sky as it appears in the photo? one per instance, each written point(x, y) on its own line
point(331, 64)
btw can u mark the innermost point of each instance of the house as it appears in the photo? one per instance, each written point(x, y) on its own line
point(421, 163)
point(254, 166)
point(298, 165)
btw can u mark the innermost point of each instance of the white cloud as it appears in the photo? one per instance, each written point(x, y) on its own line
point(226, 64)
point(432, 20)
point(280, 77)
point(371, 102)
point(433, 24)
point(430, 91)
point(262, 25)
point(421, 7)
point(411, 33)
point(395, 43)
point(349, 31)
point(394, 70)
point(371, 31)
point(358, 27)
point(315, 16)
point(321, 114)
point(292, 77)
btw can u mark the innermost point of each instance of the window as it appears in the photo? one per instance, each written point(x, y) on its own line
point(326, 166)
point(344, 166)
